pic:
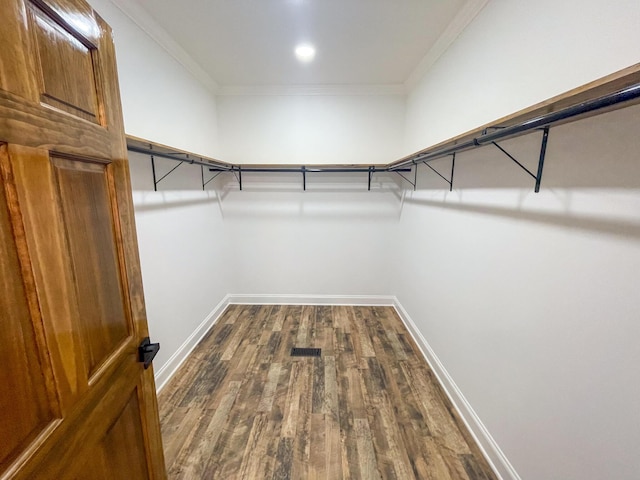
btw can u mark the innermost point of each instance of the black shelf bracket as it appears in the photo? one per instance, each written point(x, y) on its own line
point(305, 170)
point(543, 151)
point(453, 167)
point(488, 135)
point(415, 176)
point(204, 184)
point(238, 175)
point(153, 172)
point(542, 122)
point(156, 182)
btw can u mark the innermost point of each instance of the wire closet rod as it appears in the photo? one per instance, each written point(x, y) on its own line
point(501, 133)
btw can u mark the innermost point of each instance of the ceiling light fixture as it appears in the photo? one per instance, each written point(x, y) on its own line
point(305, 52)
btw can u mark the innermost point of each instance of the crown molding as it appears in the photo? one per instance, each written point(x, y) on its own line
point(310, 90)
point(148, 25)
point(464, 17)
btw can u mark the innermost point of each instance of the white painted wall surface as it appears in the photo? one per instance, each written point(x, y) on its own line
point(183, 251)
point(308, 129)
point(531, 300)
point(161, 100)
point(332, 239)
point(271, 238)
point(518, 53)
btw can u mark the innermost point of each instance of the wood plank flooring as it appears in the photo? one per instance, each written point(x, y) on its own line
point(369, 408)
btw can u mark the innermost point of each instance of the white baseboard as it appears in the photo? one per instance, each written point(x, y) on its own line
point(166, 371)
point(492, 452)
point(241, 299)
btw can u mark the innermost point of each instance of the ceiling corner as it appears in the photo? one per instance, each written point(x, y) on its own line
point(464, 17)
point(159, 35)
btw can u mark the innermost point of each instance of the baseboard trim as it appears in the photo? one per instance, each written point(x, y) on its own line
point(492, 452)
point(276, 299)
point(168, 370)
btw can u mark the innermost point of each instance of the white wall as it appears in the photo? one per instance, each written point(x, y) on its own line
point(161, 100)
point(332, 239)
point(530, 300)
point(308, 129)
point(270, 238)
point(518, 53)
point(183, 251)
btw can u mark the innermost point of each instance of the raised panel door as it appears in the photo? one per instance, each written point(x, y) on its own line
point(75, 400)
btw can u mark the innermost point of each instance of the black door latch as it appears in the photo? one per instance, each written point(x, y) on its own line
point(147, 351)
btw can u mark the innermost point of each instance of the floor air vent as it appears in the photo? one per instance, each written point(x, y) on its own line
point(305, 352)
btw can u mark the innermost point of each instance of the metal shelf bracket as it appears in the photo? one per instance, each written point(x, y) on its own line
point(543, 151)
point(614, 93)
point(204, 184)
point(448, 180)
point(153, 169)
point(304, 178)
point(415, 177)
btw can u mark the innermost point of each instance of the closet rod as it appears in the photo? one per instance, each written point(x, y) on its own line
point(217, 167)
point(501, 133)
point(195, 161)
point(305, 169)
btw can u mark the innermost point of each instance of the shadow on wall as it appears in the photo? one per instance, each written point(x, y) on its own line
point(149, 201)
point(597, 152)
point(174, 176)
point(179, 189)
point(344, 199)
point(349, 183)
point(618, 227)
point(598, 157)
point(343, 206)
point(591, 178)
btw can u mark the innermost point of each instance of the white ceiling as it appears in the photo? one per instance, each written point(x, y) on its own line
point(358, 42)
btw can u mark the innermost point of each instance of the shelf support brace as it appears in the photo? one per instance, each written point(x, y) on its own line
point(204, 184)
point(370, 175)
point(304, 178)
point(155, 183)
point(415, 178)
point(543, 151)
point(448, 180)
point(153, 171)
point(239, 176)
point(157, 180)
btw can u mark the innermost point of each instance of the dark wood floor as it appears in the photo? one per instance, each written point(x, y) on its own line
point(242, 408)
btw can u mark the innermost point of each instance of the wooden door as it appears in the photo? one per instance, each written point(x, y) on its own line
point(74, 400)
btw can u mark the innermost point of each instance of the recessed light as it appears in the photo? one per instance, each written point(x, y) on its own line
point(305, 52)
